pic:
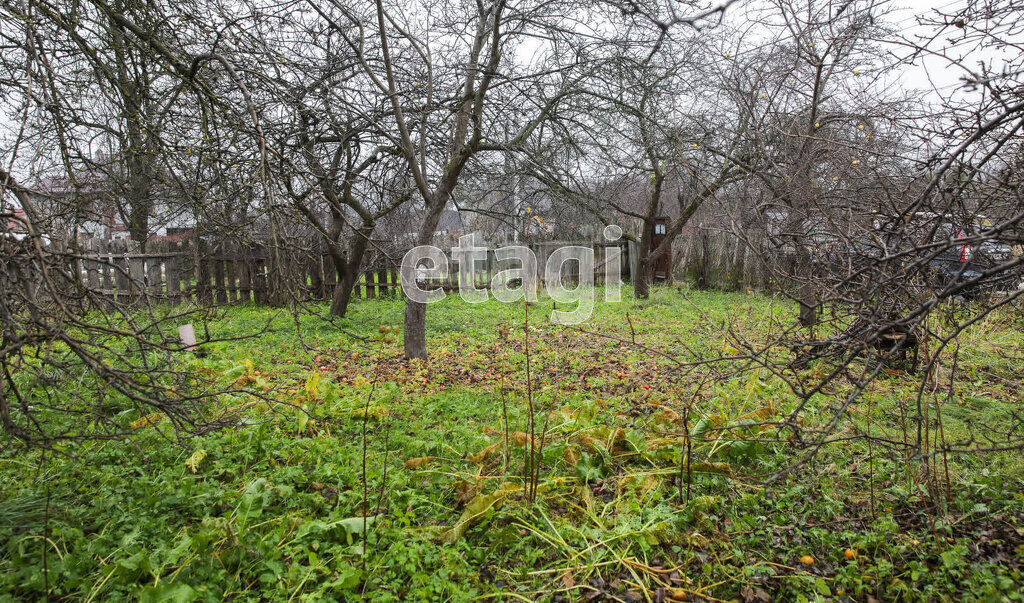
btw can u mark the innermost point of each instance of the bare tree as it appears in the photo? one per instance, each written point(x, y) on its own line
point(814, 104)
point(339, 171)
point(653, 128)
point(446, 80)
point(926, 246)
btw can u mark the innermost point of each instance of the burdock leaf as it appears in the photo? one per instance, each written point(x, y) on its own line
point(477, 508)
point(483, 454)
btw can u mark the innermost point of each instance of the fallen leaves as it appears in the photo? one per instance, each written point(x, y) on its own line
point(416, 463)
point(520, 439)
point(245, 380)
point(465, 491)
point(484, 453)
point(150, 419)
point(755, 595)
point(193, 461)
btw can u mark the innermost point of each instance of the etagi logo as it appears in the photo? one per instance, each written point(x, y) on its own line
point(518, 280)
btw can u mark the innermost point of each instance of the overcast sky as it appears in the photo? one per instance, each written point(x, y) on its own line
point(935, 76)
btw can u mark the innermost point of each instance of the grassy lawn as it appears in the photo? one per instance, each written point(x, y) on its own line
point(273, 509)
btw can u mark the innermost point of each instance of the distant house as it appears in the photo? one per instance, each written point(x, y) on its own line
point(449, 227)
point(14, 223)
point(91, 208)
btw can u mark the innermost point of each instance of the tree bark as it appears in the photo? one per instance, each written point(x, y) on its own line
point(642, 278)
point(808, 306)
point(348, 270)
point(343, 286)
point(415, 339)
point(415, 329)
point(806, 294)
point(342, 293)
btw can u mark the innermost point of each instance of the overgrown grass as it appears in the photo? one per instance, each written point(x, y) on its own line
point(273, 509)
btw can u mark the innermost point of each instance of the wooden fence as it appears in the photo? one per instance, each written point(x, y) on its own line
point(718, 259)
point(173, 272)
point(176, 271)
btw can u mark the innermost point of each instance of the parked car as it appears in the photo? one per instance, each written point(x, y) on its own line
point(879, 248)
point(970, 263)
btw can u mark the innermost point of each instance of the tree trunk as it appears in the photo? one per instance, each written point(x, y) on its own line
point(703, 280)
point(342, 293)
point(802, 277)
point(642, 278)
point(808, 306)
point(141, 140)
point(415, 340)
point(807, 295)
point(348, 268)
point(415, 329)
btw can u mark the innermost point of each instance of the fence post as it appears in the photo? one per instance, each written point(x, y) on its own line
point(120, 267)
point(259, 281)
point(371, 291)
point(154, 275)
point(173, 273)
point(92, 266)
point(382, 279)
point(136, 270)
point(453, 274)
point(490, 268)
point(231, 275)
point(103, 263)
point(221, 293)
point(203, 292)
point(244, 278)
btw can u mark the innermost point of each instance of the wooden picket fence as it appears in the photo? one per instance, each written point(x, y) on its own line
point(171, 272)
point(175, 272)
point(718, 259)
point(379, 279)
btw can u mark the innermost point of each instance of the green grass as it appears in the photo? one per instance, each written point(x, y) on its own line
point(272, 509)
